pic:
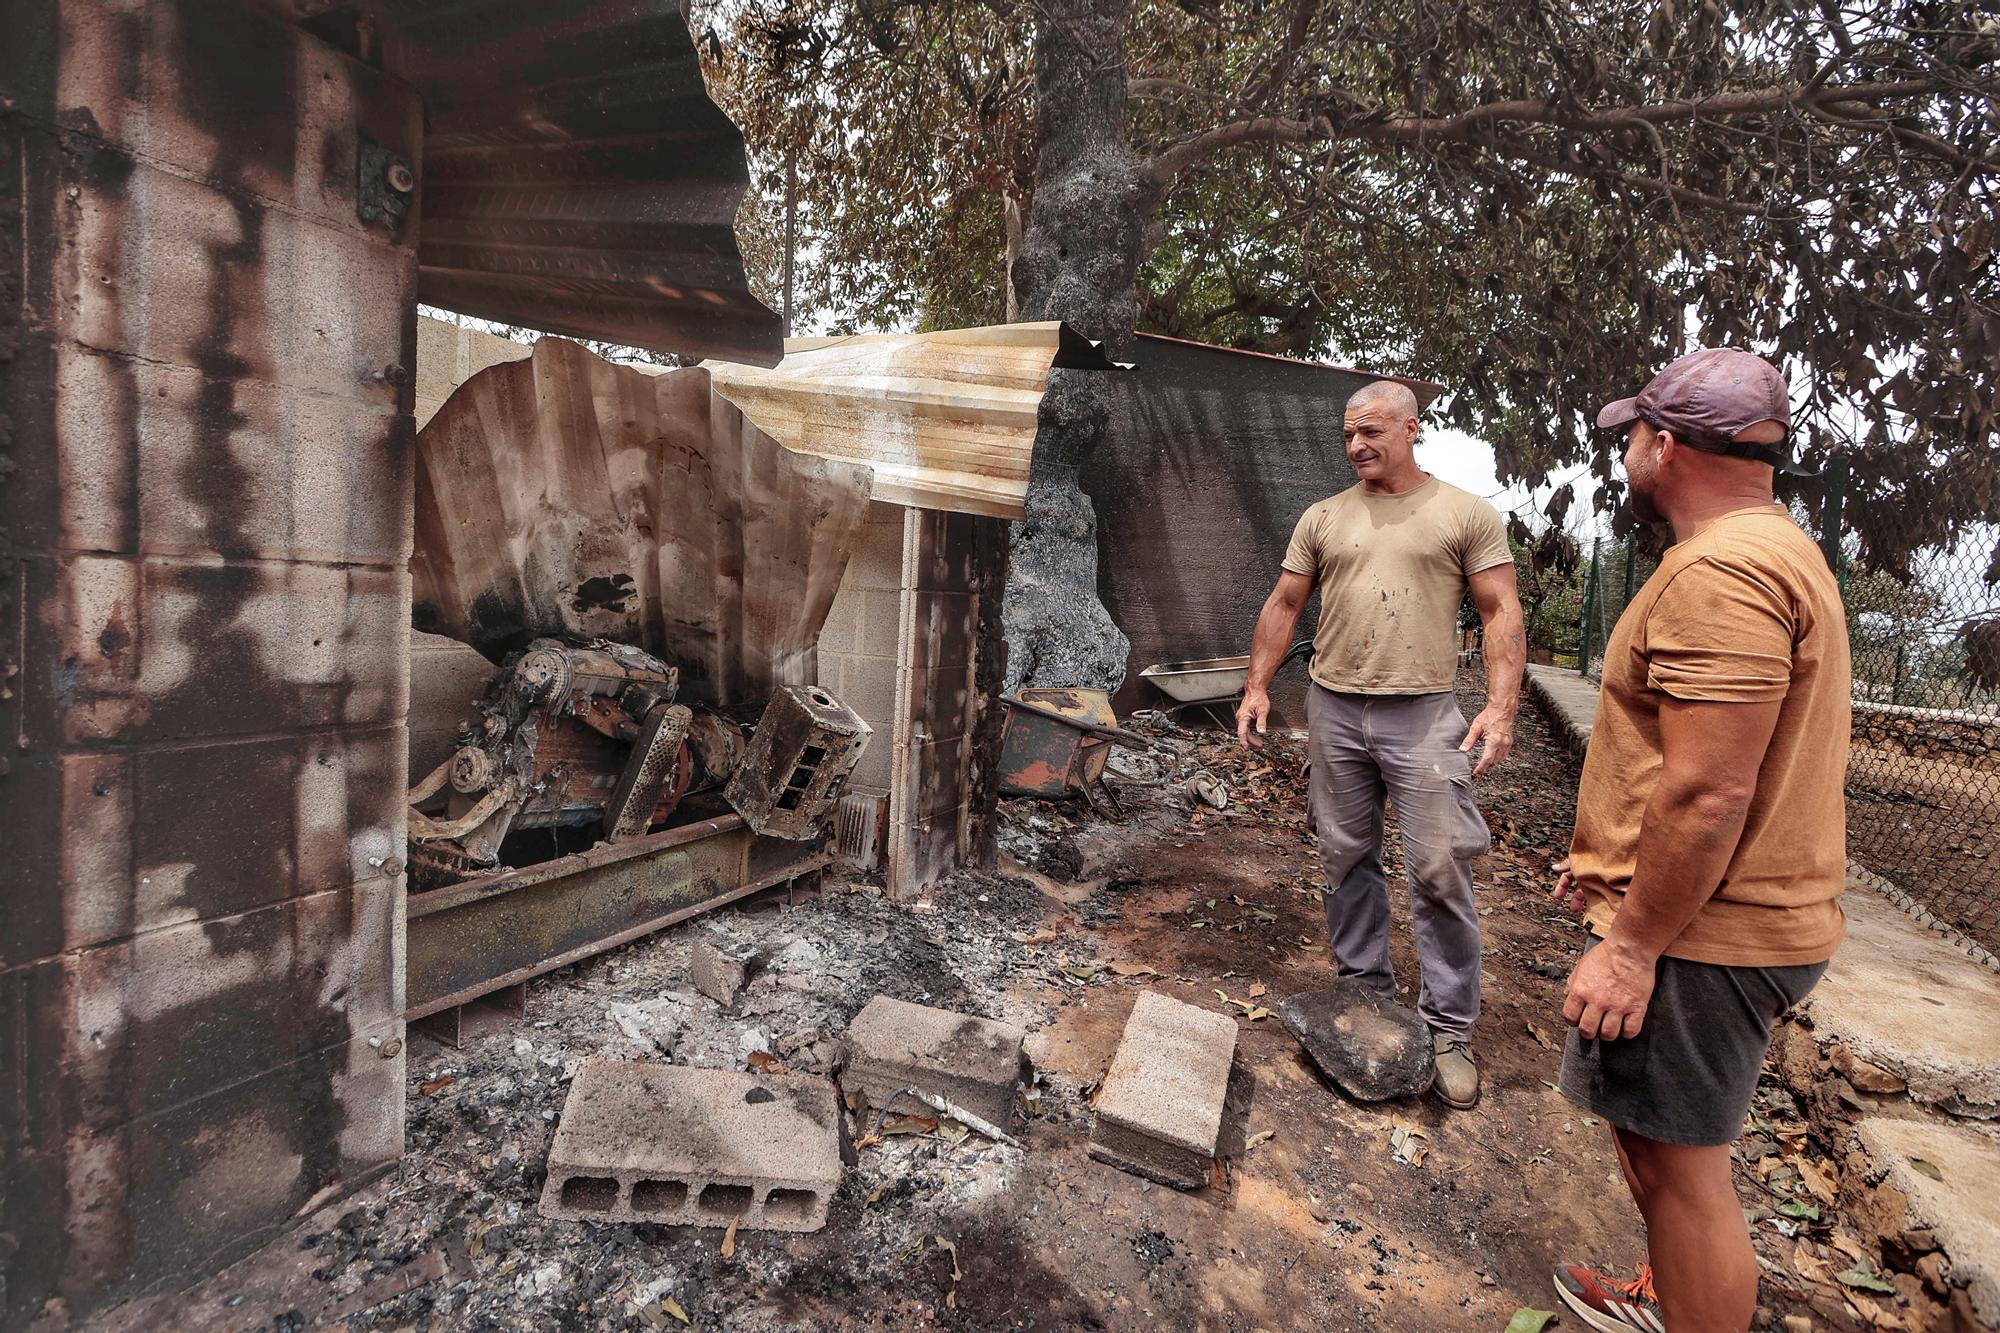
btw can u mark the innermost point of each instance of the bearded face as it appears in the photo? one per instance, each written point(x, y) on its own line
point(1642, 470)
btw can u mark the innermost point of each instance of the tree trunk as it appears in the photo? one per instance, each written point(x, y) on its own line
point(1079, 262)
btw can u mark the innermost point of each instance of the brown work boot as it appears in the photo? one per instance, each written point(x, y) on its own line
point(1455, 1076)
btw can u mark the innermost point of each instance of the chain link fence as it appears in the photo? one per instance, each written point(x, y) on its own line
point(1923, 779)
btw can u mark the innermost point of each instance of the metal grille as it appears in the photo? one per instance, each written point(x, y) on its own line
point(1923, 782)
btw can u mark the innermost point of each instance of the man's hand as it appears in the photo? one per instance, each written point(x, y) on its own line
point(1251, 716)
point(1495, 726)
point(1567, 894)
point(1609, 992)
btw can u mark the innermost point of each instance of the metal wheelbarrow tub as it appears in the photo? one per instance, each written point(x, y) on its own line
point(1054, 741)
point(1211, 680)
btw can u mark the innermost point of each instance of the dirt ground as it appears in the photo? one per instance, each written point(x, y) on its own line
point(1310, 1220)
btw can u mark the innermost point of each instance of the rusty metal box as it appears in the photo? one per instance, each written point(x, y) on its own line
point(804, 747)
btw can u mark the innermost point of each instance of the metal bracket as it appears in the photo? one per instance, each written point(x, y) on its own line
point(383, 184)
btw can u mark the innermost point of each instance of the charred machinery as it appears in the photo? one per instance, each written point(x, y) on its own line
point(582, 733)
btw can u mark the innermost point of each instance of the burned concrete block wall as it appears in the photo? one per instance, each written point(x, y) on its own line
point(1209, 458)
point(205, 505)
point(863, 639)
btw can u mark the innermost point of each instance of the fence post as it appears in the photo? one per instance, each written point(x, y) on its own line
point(1589, 626)
point(1832, 505)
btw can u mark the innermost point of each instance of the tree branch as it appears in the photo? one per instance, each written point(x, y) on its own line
point(1464, 127)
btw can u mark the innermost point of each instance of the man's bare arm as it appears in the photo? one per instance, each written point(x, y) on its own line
point(1711, 753)
point(1506, 641)
point(1273, 639)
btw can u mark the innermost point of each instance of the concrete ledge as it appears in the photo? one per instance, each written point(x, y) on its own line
point(1568, 700)
point(1959, 1206)
point(1899, 999)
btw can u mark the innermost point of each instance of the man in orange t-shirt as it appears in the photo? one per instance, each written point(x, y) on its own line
point(1710, 846)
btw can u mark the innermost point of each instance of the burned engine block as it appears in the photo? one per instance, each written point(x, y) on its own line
point(573, 733)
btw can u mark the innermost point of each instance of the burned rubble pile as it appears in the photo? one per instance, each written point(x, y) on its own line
point(482, 1119)
point(776, 995)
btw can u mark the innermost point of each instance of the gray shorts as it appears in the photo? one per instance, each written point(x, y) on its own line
point(1689, 1075)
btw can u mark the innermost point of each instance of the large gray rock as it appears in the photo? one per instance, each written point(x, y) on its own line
point(1372, 1047)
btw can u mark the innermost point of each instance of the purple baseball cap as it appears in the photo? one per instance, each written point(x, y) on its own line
point(1707, 398)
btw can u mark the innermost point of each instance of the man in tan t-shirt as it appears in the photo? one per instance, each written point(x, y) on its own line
point(1393, 558)
point(1710, 851)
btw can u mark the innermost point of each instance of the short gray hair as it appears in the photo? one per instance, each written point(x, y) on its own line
point(1396, 397)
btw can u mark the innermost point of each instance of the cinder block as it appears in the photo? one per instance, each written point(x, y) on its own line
point(719, 972)
point(1160, 1109)
point(973, 1062)
point(645, 1142)
point(151, 463)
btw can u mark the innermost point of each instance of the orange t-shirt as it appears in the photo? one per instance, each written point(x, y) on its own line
point(1747, 611)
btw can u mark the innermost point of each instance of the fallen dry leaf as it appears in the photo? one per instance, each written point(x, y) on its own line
point(1261, 1136)
point(951, 1248)
point(673, 1307)
point(1258, 990)
point(1542, 1038)
point(1042, 936)
point(729, 1239)
point(1817, 1178)
point(428, 1088)
point(766, 1063)
point(1808, 1265)
point(867, 1141)
point(876, 1197)
point(1134, 970)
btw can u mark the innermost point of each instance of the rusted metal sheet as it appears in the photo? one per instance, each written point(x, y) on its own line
point(567, 495)
point(496, 930)
point(946, 420)
point(575, 176)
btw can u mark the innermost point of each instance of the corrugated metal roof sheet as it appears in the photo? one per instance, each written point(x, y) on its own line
point(576, 177)
point(946, 420)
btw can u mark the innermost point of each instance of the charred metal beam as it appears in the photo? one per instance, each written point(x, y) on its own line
point(493, 931)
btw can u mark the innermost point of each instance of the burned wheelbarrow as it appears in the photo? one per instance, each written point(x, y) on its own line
point(1054, 741)
point(1211, 683)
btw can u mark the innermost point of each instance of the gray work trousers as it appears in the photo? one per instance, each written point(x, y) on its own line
point(1365, 747)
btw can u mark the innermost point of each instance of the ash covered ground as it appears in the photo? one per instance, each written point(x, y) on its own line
point(1312, 1217)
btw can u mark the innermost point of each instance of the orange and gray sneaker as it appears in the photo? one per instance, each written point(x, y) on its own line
point(1608, 1304)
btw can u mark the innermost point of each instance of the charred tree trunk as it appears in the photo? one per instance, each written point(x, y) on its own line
point(1078, 262)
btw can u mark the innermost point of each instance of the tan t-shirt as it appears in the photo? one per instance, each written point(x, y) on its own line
point(1391, 571)
point(1744, 610)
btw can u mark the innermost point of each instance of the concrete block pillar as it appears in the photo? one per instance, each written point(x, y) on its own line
point(207, 338)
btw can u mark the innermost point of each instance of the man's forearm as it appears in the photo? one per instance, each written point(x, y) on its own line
point(1685, 842)
point(1506, 652)
point(1270, 643)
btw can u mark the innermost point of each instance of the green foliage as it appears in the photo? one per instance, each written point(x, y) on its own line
point(1536, 205)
